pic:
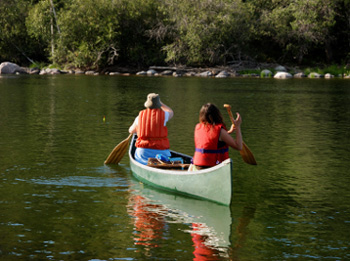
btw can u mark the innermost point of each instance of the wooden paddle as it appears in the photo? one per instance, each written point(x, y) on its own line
point(246, 154)
point(118, 152)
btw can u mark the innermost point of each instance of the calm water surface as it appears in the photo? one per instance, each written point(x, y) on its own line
point(58, 201)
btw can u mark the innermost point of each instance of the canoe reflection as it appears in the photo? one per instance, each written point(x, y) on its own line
point(153, 211)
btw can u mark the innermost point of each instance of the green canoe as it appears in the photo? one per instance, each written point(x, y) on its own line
point(213, 184)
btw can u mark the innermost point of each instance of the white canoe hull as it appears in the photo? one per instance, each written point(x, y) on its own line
point(214, 184)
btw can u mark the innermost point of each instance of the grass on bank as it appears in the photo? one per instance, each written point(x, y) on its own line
point(332, 69)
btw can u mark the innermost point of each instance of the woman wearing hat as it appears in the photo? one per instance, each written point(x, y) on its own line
point(152, 133)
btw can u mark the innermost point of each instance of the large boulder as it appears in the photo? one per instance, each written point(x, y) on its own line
point(222, 74)
point(51, 71)
point(151, 72)
point(266, 74)
point(283, 75)
point(205, 74)
point(10, 68)
point(299, 75)
point(141, 73)
point(315, 75)
point(280, 68)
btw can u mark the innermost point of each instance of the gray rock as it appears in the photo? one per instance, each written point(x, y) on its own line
point(206, 74)
point(53, 71)
point(167, 73)
point(151, 72)
point(34, 71)
point(190, 74)
point(177, 74)
point(328, 76)
point(91, 73)
point(283, 75)
point(315, 75)
point(142, 73)
point(222, 74)
point(266, 73)
point(11, 68)
point(280, 68)
point(299, 75)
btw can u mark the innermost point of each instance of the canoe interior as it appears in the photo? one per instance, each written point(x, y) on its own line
point(186, 158)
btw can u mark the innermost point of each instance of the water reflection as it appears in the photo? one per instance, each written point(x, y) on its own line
point(242, 231)
point(149, 221)
point(208, 224)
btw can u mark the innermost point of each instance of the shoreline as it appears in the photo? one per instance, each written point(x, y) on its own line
point(263, 70)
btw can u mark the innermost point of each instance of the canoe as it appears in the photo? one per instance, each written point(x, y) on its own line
point(213, 184)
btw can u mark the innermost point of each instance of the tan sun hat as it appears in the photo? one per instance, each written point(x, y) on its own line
point(153, 101)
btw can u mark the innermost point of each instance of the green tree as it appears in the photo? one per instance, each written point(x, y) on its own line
point(39, 22)
point(137, 19)
point(339, 47)
point(203, 32)
point(15, 45)
point(88, 32)
point(312, 21)
point(293, 27)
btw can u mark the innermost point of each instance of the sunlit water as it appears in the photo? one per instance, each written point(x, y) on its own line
point(58, 201)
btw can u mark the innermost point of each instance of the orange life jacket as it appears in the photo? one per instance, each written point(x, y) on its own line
point(151, 132)
point(209, 150)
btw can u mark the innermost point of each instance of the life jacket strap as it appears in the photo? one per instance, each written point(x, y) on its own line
point(222, 151)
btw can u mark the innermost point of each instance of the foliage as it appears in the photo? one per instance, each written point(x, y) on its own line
point(39, 65)
point(88, 31)
point(101, 33)
point(332, 69)
point(204, 31)
point(13, 36)
point(138, 44)
point(295, 26)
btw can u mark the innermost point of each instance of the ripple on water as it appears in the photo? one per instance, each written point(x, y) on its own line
point(107, 178)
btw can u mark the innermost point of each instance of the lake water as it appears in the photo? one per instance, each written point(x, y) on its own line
point(58, 201)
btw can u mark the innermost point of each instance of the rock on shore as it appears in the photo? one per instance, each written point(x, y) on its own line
point(11, 68)
point(281, 72)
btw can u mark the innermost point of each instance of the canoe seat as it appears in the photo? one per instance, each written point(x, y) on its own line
point(156, 163)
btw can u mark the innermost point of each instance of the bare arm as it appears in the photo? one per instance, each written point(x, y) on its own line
point(226, 137)
point(168, 109)
point(133, 127)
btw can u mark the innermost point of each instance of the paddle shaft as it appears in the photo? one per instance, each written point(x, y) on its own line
point(246, 154)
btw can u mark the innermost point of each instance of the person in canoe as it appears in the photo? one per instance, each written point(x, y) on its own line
point(212, 139)
point(152, 133)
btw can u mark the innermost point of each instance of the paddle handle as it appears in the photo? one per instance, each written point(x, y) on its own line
point(228, 108)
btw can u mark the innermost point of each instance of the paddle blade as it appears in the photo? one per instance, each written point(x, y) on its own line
point(118, 152)
point(247, 155)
